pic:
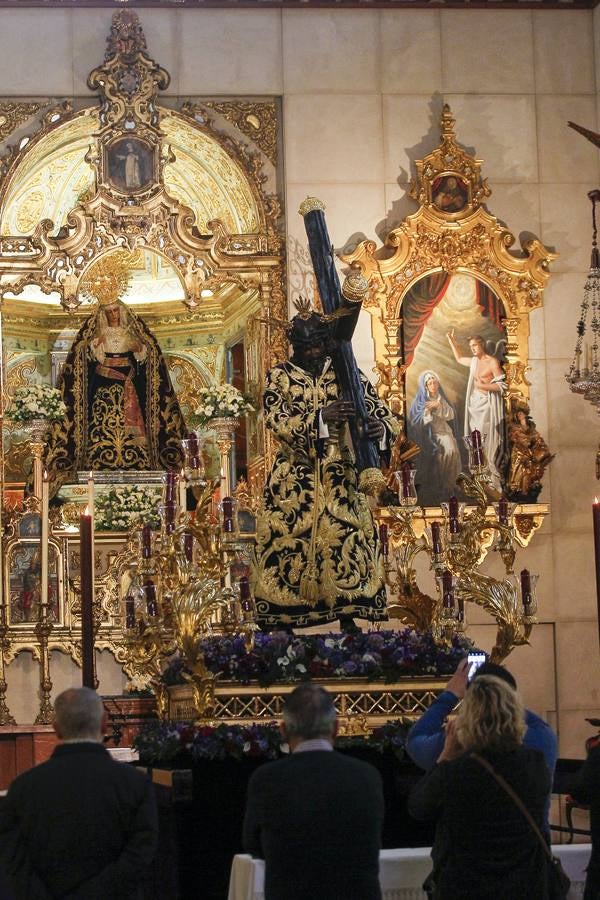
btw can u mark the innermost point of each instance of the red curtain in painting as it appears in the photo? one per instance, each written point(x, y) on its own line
point(490, 306)
point(424, 297)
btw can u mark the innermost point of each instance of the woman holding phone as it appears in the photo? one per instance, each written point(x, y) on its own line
point(484, 845)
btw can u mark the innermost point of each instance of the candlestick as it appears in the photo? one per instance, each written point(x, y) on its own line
point(526, 588)
point(151, 601)
point(436, 537)
point(170, 480)
point(384, 539)
point(406, 469)
point(44, 539)
point(91, 502)
point(596, 519)
point(87, 613)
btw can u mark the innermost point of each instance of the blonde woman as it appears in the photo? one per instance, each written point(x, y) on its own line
point(484, 846)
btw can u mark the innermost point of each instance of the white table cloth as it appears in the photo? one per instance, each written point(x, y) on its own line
point(401, 872)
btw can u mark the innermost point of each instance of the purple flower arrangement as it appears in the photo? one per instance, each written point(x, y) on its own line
point(176, 743)
point(377, 655)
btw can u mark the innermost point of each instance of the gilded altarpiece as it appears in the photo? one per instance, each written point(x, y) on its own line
point(191, 194)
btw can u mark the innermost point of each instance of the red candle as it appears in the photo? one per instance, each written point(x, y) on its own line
point(129, 612)
point(436, 537)
point(188, 546)
point(596, 516)
point(503, 511)
point(476, 439)
point(146, 542)
point(447, 589)
point(384, 538)
point(406, 470)
point(192, 443)
point(170, 482)
point(151, 601)
point(227, 506)
point(86, 550)
point(526, 587)
point(170, 508)
point(453, 515)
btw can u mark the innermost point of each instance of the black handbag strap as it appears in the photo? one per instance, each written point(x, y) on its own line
point(516, 800)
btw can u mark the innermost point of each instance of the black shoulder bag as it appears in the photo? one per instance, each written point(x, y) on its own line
point(557, 879)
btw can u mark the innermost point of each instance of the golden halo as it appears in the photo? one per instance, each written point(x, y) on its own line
point(107, 280)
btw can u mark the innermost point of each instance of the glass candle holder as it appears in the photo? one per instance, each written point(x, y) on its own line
point(529, 592)
point(453, 512)
point(170, 486)
point(167, 513)
point(407, 492)
point(228, 516)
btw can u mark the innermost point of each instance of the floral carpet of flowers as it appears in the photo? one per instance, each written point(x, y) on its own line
point(37, 401)
point(121, 508)
point(377, 655)
point(170, 743)
point(221, 401)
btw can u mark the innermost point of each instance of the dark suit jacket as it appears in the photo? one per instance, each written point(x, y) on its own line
point(79, 826)
point(316, 820)
point(586, 789)
point(484, 846)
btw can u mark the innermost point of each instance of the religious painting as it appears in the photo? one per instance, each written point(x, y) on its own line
point(130, 165)
point(449, 193)
point(24, 583)
point(454, 344)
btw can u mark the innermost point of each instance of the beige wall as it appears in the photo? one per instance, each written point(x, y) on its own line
point(362, 92)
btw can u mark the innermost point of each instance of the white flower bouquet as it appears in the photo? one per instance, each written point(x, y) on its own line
point(123, 508)
point(221, 401)
point(37, 401)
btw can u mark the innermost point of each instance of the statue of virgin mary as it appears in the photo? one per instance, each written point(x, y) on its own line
point(122, 411)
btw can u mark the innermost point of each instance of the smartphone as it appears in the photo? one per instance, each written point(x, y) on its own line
point(475, 660)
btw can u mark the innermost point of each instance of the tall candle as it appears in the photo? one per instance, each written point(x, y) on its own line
point(182, 492)
point(526, 587)
point(169, 516)
point(91, 501)
point(245, 595)
point(447, 589)
point(151, 601)
point(227, 506)
point(436, 537)
point(596, 517)
point(477, 447)
point(503, 511)
point(87, 613)
point(44, 540)
point(170, 481)
point(453, 515)
point(406, 470)
point(146, 542)
point(188, 546)
point(129, 612)
point(384, 538)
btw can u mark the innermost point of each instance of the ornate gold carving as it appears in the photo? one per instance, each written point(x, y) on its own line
point(189, 381)
point(14, 113)
point(309, 205)
point(258, 121)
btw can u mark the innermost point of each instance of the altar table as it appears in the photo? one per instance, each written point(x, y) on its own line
point(401, 873)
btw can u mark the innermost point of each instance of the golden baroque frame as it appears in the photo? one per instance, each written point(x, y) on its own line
point(469, 240)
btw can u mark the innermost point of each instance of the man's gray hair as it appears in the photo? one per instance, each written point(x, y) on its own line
point(78, 713)
point(309, 713)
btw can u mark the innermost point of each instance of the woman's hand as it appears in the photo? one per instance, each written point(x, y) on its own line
point(452, 748)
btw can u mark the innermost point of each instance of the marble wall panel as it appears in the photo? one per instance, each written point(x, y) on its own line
point(578, 666)
point(538, 394)
point(562, 305)
point(537, 333)
point(563, 51)
point(574, 487)
point(471, 61)
point(574, 422)
point(566, 216)
point(411, 58)
point(92, 26)
point(37, 60)
point(411, 130)
point(574, 578)
point(22, 676)
point(230, 51)
point(325, 52)
point(564, 155)
point(501, 129)
point(333, 139)
point(398, 205)
point(518, 207)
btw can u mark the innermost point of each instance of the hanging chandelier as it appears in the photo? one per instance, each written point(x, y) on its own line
point(584, 372)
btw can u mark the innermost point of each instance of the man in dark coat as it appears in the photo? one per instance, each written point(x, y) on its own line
point(586, 789)
point(315, 817)
point(79, 826)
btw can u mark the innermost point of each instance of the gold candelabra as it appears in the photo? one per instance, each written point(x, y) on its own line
point(456, 541)
point(181, 588)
